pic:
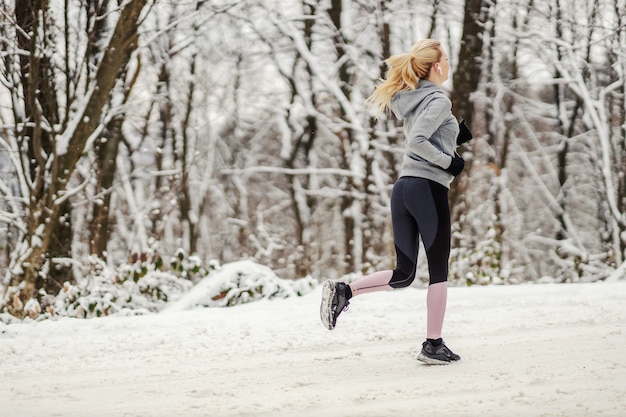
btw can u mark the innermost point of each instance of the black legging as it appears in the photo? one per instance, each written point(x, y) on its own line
point(419, 207)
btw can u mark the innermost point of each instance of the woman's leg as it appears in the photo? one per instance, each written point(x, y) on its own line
point(405, 236)
point(378, 281)
point(436, 299)
point(433, 218)
point(437, 244)
point(427, 203)
point(336, 295)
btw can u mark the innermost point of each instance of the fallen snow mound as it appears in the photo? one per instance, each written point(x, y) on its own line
point(239, 283)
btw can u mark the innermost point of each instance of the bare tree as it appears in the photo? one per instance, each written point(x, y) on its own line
point(52, 135)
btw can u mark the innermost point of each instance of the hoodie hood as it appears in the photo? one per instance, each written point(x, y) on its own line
point(405, 102)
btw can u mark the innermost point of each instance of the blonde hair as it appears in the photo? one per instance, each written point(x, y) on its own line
point(405, 71)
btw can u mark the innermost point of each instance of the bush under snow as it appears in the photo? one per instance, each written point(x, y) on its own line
point(142, 287)
point(239, 283)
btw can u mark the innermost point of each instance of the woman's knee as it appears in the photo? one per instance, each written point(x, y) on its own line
point(437, 278)
point(438, 265)
point(401, 279)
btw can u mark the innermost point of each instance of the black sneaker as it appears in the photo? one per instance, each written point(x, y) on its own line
point(437, 355)
point(334, 302)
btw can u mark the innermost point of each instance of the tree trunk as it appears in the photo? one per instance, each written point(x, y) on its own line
point(106, 156)
point(468, 74)
point(41, 111)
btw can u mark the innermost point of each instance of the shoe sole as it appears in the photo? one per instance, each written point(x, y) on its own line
point(326, 313)
point(432, 361)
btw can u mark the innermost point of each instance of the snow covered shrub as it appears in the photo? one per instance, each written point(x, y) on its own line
point(93, 298)
point(144, 286)
point(189, 267)
point(161, 286)
point(180, 265)
point(239, 283)
point(138, 287)
point(140, 264)
point(479, 265)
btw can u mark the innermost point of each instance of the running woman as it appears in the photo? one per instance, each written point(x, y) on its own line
point(419, 200)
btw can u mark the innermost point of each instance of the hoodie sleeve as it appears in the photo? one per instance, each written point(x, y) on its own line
point(426, 123)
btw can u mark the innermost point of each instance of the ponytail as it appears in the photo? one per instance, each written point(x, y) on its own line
point(405, 71)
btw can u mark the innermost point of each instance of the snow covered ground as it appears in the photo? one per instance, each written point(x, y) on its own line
point(530, 350)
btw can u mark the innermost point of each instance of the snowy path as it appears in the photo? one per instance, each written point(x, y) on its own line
point(533, 350)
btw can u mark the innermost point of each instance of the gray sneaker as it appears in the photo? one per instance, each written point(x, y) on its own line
point(437, 355)
point(334, 302)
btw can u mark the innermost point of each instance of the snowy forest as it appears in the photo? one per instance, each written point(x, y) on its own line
point(144, 143)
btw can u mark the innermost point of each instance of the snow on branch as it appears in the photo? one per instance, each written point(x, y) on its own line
point(314, 63)
point(618, 274)
point(293, 171)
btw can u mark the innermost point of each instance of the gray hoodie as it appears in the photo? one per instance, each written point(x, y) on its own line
point(430, 132)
